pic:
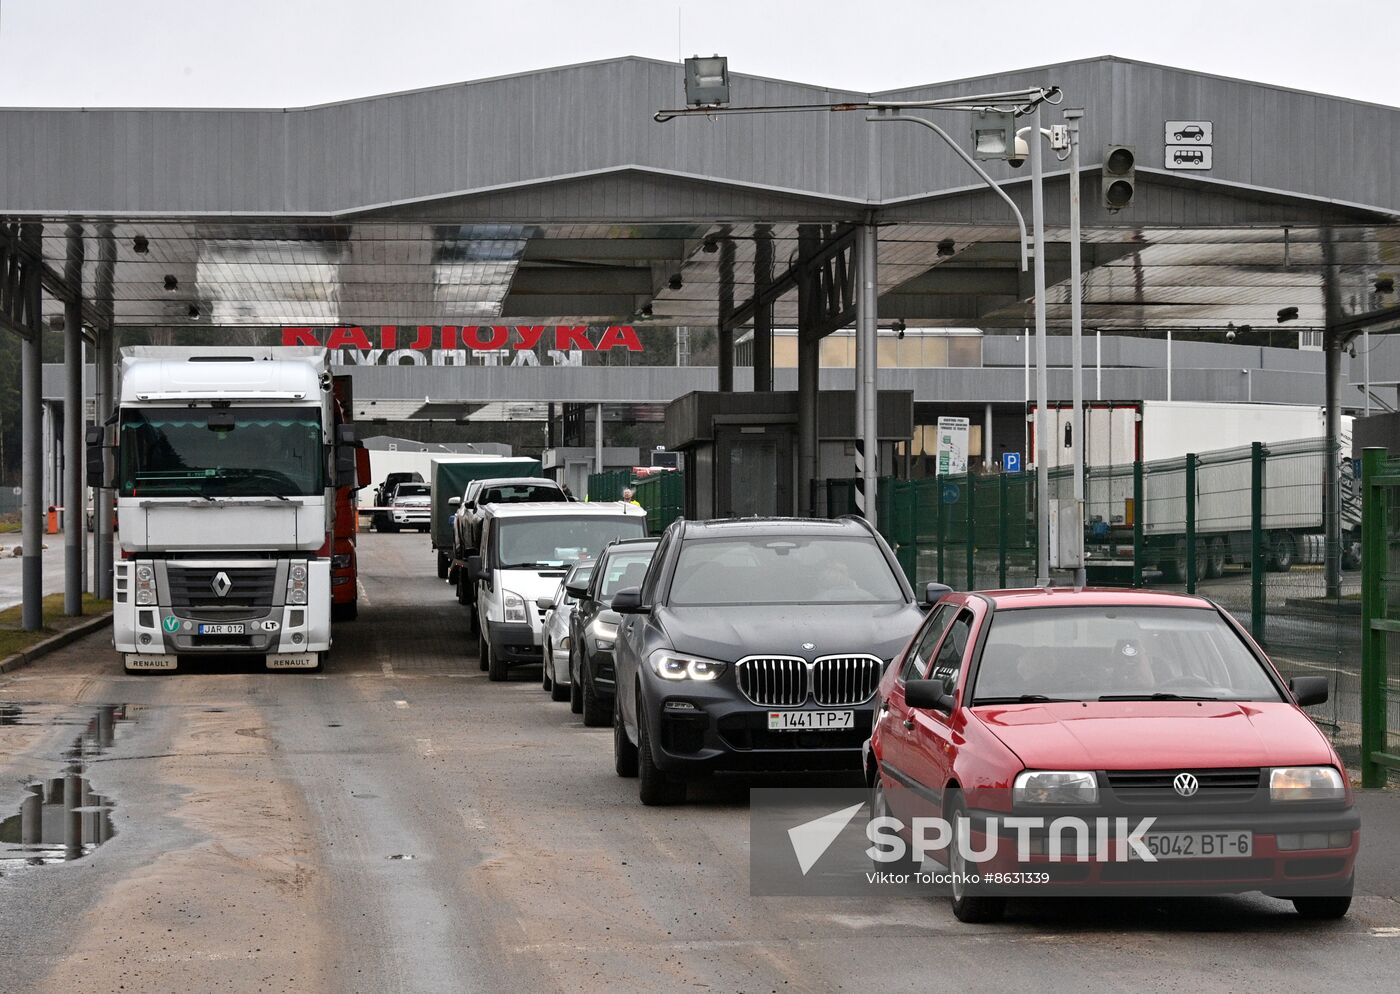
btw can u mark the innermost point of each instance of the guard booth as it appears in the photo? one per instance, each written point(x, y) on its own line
point(740, 450)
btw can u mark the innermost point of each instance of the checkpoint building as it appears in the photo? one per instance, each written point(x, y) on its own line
point(555, 198)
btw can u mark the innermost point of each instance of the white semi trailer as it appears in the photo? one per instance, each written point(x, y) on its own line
point(1161, 434)
point(225, 462)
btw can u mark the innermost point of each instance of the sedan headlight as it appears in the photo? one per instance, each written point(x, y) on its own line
point(604, 632)
point(1305, 783)
point(1055, 787)
point(514, 606)
point(674, 666)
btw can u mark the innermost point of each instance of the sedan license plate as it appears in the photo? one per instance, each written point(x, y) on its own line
point(810, 721)
point(221, 629)
point(1196, 845)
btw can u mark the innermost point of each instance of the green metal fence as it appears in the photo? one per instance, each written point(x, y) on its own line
point(662, 495)
point(1251, 540)
point(1380, 616)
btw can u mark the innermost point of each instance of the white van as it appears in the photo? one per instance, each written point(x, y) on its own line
point(525, 551)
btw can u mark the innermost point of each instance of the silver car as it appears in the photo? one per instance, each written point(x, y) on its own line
point(557, 612)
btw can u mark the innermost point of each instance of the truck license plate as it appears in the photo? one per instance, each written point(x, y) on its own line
point(810, 721)
point(221, 629)
point(1196, 845)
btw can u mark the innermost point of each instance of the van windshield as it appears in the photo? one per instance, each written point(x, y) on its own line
point(223, 452)
point(544, 543)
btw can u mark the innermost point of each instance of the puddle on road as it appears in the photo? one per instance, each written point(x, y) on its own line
point(61, 818)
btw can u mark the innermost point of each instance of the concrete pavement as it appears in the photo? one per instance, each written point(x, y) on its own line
point(398, 823)
point(11, 591)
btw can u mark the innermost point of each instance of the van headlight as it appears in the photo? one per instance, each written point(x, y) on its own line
point(1055, 787)
point(514, 607)
point(675, 666)
point(1305, 783)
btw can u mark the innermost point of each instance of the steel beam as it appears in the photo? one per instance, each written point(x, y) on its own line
point(105, 502)
point(867, 364)
point(808, 373)
point(763, 314)
point(74, 503)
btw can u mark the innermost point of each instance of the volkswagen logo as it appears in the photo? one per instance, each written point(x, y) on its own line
point(221, 584)
point(1186, 784)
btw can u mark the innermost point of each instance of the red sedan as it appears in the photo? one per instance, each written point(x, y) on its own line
point(1107, 742)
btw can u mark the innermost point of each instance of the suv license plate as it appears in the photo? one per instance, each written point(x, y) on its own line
point(810, 721)
point(221, 629)
point(1196, 845)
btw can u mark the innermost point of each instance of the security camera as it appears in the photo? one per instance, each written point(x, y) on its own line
point(1017, 159)
point(1230, 335)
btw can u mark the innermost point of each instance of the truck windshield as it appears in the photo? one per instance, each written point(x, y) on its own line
point(223, 452)
point(543, 543)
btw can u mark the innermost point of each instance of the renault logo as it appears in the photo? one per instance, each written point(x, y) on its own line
point(1186, 784)
point(221, 584)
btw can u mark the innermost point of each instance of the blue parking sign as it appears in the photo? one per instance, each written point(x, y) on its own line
point(1011, 462)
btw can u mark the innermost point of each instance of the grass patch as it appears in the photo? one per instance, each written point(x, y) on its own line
point(9, 523)
point(13, 639)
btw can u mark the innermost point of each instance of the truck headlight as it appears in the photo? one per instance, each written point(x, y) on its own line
point(514, 606)
point(145, 585)
point(296, 583)
point(674, 666)
point(1305, 783)
point(1055, 787)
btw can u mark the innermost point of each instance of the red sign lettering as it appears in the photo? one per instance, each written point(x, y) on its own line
point(493, 338)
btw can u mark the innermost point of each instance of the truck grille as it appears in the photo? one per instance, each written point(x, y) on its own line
point(773, 681)
point(787, 681)
point(192, 587)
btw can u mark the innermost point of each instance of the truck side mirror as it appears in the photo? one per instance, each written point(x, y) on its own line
point(347, 468)
point(97, 476)
point(344, 434)
point(474, 571)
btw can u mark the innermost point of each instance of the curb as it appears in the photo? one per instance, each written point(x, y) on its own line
point(22, 659)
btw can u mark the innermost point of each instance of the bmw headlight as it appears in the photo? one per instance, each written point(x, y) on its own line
point(674, 666)
point(1055, 787)
point(514, 606)
point(1305, 783)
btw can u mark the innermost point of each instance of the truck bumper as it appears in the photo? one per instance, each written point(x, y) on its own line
point(152, 632)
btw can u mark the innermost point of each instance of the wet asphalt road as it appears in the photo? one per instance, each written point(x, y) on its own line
point(400, 824)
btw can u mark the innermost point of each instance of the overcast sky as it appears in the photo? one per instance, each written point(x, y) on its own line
point(290, 53)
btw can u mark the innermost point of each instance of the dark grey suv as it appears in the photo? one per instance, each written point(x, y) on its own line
point(755, 644)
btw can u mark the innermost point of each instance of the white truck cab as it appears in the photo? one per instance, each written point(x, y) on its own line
point(525, 551)
point(225, 463)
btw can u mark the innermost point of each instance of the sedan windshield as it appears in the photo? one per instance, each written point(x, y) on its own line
point(540, 543)
point(795, 569)
point(1117, 653)
point(228, 452)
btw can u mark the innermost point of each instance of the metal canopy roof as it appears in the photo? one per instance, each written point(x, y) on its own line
point(552, 197)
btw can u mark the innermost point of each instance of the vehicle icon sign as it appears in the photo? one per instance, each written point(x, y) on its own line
point(1191, 133)
point(1188, 155)
point(170, 623)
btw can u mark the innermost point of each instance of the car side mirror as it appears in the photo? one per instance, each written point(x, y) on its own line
point(470, 505)
point(576, 590)
point(544, 603)
point(933, 593)
point(1307, 690)
point(629, 601)
point(475, 573)
point(454, 501)
point(928, 695)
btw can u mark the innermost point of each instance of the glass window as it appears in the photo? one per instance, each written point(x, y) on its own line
point(916, 663)
point(624, 568)
point(795, 569)
point(948, 663)
point(519, 493)
point(541, 543)
point(1106, 652)
point(581, 573)
point(224, 452)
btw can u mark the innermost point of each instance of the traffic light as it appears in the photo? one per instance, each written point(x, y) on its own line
point(1119, 176)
